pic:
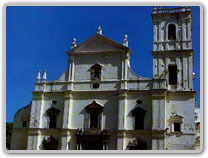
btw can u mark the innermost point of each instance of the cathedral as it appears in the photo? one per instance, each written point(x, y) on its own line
point(99, 103)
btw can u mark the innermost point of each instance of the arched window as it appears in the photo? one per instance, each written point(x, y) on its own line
point(171, 32)
point(52, 113)
point(172, 74)
point(139, 115)
point(96, 72)
point(94, 111)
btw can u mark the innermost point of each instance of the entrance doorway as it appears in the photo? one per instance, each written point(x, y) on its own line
point(96, 145)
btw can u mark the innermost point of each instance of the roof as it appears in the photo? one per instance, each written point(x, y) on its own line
point(98, 43)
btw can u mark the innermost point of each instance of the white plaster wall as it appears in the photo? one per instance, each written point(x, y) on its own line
point(146, 105)
point(19, 139)
point(46, 104)
point(81, 100)
point(182, 105)
point(22, 115)
point(111, 65)
point(184, 142)
point(87, 86)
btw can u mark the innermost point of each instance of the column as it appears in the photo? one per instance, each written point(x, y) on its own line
point(127, 56)
point(154, 144)
point(64, 140)
point(190, 61)
point(185, 70)
point(32, 142)
point(67, 97)
point(179, 74)
point(158, 110)
point(120, 140)
point(36, 110)
point(161, 144)
point(71, 72)
point(162, 114)
point(121, 110)
point(155, 113)
point(155, 67)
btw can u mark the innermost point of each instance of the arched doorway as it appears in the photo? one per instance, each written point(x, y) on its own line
point(50, 144)
point(137, 144)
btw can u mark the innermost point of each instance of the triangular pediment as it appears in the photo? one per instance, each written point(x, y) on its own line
point(98, 43)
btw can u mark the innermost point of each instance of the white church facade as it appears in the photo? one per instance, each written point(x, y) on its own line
point(99, 103)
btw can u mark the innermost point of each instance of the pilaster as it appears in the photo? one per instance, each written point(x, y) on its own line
point(120, 140)
point(67, 97)
point(32, 142)
point(122, 110)
point(158, 110)
point(64, 140)
point(36, 110)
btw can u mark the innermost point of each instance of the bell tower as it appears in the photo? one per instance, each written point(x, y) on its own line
point(172, 47)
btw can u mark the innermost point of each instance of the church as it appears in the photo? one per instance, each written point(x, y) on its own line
point(99, 103)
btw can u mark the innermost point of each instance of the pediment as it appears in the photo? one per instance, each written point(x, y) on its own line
point(98, 43)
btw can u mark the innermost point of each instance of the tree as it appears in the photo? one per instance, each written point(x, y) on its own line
point(9, 126)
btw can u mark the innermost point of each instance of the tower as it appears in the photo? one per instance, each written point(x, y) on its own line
point(173, 61)
point(172, 47)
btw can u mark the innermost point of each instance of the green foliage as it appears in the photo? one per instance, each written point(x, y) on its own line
point(8, 134)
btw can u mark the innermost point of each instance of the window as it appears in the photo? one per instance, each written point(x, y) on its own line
point(96, 72)
point(139, 101)
point(139, 115)
point(177, 127)
point(176, 123)
point(24, 123)
point(94, 111)
point(172, 74)
point(96, 85)
point(139, 123)
point(54, 101)
point(94, 120)
point(171, 32)
point(52, 113)
point(52, 122)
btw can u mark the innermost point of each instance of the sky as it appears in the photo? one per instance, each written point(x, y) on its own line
point(37, 38)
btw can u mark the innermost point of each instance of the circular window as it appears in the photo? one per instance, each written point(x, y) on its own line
point(96, 85)
point(139, 101)
point(54, 101)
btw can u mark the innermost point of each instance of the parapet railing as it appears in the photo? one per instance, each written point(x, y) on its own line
point(170, 10)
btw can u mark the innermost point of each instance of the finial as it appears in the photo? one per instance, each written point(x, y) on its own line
point(44, 76)
point(188, 8)
point(38, 77)
point(73, 45)
point(125, 41)
point(99, 30)
point(154, 9)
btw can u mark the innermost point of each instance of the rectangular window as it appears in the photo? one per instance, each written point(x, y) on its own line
point(177, 127)
point(52, 123)
point(139, 123)
point(24, 123)
point(94, 120)
point(172, 74)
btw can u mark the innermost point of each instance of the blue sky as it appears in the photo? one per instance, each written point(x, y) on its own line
point(39, 37)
